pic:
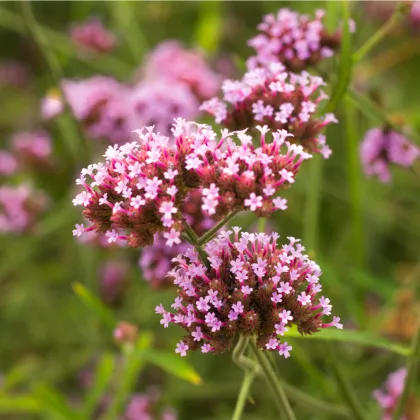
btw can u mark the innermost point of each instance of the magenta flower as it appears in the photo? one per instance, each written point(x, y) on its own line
point(93, 36)
point(32, 147)
point(388, 399)
point(8, 163)
point(271, 96)
point(295, 40)
point(252, 288)
point(113, 276)
point(140, 188)
point(19, 208)
point(172, 62)
point(13, 73)
point(381, 148)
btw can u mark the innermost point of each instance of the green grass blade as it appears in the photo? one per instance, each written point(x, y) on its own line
point(352, 337)
point(14, 404)
point(173, 364)
point(95, 304)
point(208, 28)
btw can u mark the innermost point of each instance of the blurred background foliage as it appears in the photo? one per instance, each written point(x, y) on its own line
point(365, 235)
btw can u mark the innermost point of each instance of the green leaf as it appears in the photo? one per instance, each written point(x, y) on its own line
point(173, 364)
point(103, 375)
point(10, 404)
point(17, 375)
point(345, 62)
point(55, 403)
point(208, 29)
point(352, 336)
point(93, 303)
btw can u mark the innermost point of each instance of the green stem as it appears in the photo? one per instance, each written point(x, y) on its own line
point(243, 394)
point(344, 386)
point(192, 238)
point(313, 204)
point(412, 368)
point(355, 184)
point(68, 126)
point(379, 34)
point(261, 224)
point(280, 398)
point(213, 231)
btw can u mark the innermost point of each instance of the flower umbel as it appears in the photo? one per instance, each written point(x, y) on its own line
point(253, 288)
point(278, 99)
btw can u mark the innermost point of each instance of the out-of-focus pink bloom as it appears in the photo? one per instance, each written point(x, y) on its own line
point(158, 102)
point(93, 36)
point(170, 60)
point(51, 104)
point(113, 281)
point(32, 146)
point(415, 15)
point(252, 287)
point(19, 207)
point(144, 407)
point(381, 148)
point(8, 163)
point(13, 73)
point(388, 398)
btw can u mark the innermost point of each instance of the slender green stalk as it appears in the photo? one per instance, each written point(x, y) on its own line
point(355, 184)
point(380, 34)
point(313, 204)
point(69, 128)
point(213, 231)
point(243, 394)
point(261, 224)
point(344, 386)
point(412, 368)
point(280, 398)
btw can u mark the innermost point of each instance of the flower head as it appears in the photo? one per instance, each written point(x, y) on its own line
point(215, 304)
point(295, 40)
point(381, 148)
point(280, 100)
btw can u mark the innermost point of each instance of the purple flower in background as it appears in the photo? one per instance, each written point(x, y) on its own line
point(171, 61)
point(381, 147)
point(93, 36)
point(19, 207)
point(252, 287)
point(13, 73)
point(113, 281)
point(388, 398)
point(32, 147)
point(297, 41)
point(8, 163)
point(158, 102)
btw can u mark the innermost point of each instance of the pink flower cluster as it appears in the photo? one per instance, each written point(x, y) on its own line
point(143, 407)
point(293, 39)
point(277, 98)
point(173, 63)
point(93, 36)
point(252, 288)
point(32, 147)
point(113, 276)
point(8, 163)
point(388, 399)
point(140, 187)
point(19, 207)
point(155, 260)
point(382, 147)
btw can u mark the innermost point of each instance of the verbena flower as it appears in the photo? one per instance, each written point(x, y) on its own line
point(13, 73)
point(32, 147)
point(252, 288)
point(144, 407)
point(381, 148)
point(113, 276)
point(93, 36)
point(140, 187)
point(19, 208)
point(296, 40)
point(388, 398)
point(172, 62)
point(155, 260)
point(274, 97)
point(8, 163)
